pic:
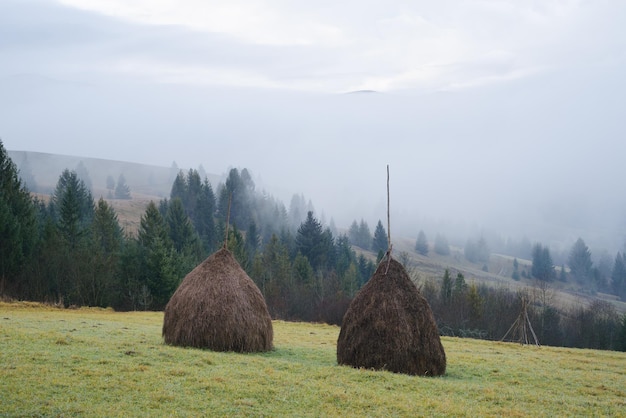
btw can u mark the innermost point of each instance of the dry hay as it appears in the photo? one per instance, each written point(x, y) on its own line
point(217, 306)
point(390, 326)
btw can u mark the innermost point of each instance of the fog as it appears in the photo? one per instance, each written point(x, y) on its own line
point(531, 151)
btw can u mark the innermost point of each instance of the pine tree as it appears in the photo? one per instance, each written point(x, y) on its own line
point(104, 252)
point(183, 235)
point(421, 244)
point(380, 238)
point(253, 241)
point(618, 276)
point(122, 191)
point(309, 240)
point(237, 246)
point(179, 187)
point(18, 223)
point(542, 267)
point(353, 233)
point(159, 263)
point(203, 219)
point(272, 273)
point(579, 261)
point(73, 207)
point(365, 236)
point(446, 287)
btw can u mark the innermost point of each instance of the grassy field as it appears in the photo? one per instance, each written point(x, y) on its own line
point(91, 362)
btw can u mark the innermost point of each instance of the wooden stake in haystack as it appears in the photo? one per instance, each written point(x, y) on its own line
point(389, 325)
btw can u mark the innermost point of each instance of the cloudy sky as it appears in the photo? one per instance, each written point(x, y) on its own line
point(502, 113)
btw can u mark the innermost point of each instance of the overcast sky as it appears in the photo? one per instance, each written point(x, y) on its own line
point(499, 113)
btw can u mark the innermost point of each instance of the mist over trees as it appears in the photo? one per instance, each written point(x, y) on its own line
point(72, 251)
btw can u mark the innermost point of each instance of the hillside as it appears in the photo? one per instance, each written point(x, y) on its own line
point(145, 181)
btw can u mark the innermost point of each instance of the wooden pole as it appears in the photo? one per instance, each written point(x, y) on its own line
point(230, 198)
point(389, 245)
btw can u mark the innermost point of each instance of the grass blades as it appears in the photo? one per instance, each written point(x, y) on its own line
point(94, 362)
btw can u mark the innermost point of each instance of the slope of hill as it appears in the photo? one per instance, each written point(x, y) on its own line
point(145, 181)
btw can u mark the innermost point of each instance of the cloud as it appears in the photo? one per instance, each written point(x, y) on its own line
point(314, 46)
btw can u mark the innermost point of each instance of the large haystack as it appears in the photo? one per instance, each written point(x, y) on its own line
point(217, 306)
point(390, 326)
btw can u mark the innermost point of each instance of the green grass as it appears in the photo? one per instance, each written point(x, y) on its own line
point(91, 362)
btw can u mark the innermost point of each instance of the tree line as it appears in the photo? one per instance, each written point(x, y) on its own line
point(72, 251)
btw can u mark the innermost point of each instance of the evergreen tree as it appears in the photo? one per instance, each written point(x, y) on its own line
point(179, 187)
point(18, 223)
point(460, 286)
point(204, 217)
point(309, 241)
point(182, 234)
point(104, 252)
point(73, 208)
point(328, 250)
point(297, 211)
point(446, 287)
point(106, 228)
point(365, 236)
point(237, 246)
point(239, 191)
point(272, 274)
point(353, 233)
point(302, 295)
point(542, 267)
point(515, 276)
point(159, 272)
point(618, 276)
point(199, 204)
point(253, 241)
point(379, 242)
point(366, 269)
point(579, 261)
point(122, 191)
point(345, 254)
point(421, 244)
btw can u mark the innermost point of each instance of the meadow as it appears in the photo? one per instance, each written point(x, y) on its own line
point(97, 362)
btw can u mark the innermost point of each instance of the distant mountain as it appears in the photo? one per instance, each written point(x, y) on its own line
point(362, 92)
point(41, 171)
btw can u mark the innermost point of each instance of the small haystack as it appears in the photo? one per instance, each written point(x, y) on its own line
point(389, 326)
point(217, 306)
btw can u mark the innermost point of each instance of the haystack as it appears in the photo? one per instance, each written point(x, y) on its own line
point(389, 326)
point(217, 306)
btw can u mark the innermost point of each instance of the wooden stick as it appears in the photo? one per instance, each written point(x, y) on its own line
point(389, 245)
point(388, 215)
point(230, 198)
